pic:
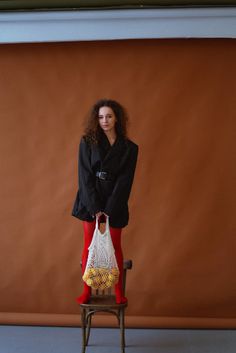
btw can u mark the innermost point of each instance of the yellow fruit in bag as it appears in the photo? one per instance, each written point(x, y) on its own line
point(101, 278)
point(90, 282)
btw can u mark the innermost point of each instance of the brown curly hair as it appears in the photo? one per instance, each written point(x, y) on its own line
point(93, 130)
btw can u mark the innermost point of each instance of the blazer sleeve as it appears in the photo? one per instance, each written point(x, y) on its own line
point(89, 195)
point(123, 185)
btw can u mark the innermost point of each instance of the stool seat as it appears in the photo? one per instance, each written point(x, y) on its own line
point(102, 301)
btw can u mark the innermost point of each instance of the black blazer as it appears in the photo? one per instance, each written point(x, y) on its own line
point(110, 196)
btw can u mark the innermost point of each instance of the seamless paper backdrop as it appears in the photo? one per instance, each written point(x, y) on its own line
point(181, 236)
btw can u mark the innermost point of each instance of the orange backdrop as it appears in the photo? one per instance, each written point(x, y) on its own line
point(181, 236)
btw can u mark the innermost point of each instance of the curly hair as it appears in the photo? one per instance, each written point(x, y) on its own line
point(93, 130)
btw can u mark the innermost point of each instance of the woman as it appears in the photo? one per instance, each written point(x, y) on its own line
point(107, 161)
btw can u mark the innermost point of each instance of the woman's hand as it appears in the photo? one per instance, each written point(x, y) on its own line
point(100, 213)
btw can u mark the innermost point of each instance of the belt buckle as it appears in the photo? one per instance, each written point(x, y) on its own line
point(102, 175)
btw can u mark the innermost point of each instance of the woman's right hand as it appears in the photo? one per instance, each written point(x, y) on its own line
point(99, 214)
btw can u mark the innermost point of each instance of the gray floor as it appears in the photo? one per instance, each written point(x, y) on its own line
point(34, 339)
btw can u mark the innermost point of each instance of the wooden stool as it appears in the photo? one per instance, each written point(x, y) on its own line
point(104, 301)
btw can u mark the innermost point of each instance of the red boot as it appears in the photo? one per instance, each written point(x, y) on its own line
point(116, 240)
point(88, 235)
point(85, 296)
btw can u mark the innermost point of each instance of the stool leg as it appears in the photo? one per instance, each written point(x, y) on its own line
point(122, 329)
point(83, 326)
point(88, 328)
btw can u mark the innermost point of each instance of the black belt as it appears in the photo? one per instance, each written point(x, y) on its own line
point(104, 175)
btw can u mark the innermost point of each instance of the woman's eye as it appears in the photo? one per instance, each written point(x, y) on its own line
point(107, 116)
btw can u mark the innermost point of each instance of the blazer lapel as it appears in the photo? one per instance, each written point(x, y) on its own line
point(116, 150)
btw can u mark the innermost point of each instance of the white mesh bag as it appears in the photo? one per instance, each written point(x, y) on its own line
point(101, 271)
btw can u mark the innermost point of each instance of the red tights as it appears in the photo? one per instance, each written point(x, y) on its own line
point(116, 239)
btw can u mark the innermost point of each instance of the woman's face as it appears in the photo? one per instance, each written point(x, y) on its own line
point(107, 119)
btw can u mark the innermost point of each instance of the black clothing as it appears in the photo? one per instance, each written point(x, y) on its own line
point(110, 195)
